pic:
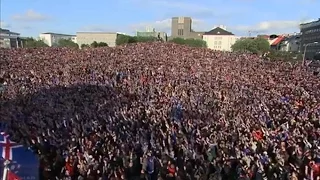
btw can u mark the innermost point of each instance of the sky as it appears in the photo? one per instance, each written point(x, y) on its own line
point(32, 17)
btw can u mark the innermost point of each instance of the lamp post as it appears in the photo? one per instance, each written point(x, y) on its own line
point(304, 53)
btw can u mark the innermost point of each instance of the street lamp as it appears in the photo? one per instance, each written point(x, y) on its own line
point(304, 53)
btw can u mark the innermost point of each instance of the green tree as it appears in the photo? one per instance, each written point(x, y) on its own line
point(257, 46)
point(145, 39)
point(94, 44)
point(262, 45)
point(284, 56)
point(83, 46)
point(67, 43)
point(178, 41)
point(189, 42)
point(102, 44)
point(125, 39)
point(33, 43)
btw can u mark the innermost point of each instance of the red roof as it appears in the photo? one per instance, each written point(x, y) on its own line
point(277, 41)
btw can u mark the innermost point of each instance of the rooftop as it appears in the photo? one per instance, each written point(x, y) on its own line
point(218, 31)
point(98, 32)
point(310, 22)
point(58, 34)
point(276, 40)
point(8, 31)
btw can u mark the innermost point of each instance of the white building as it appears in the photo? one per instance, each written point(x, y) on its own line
point(52, 39)
point(89, 37)
point(9, 39)
point(219, 39)
point(291, 44)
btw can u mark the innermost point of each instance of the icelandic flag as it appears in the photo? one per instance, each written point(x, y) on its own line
point(23, 163)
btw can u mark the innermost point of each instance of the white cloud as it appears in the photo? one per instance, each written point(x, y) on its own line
point(30, 15)
point(165, 25)
point(4, 25)
point(286, 26)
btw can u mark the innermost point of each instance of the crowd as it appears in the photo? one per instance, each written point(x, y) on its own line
point(161, 111)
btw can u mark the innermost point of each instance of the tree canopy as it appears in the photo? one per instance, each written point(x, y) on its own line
point(67, 43)
point(125, 39)
point(96, 44)
point(33, 43)
point(257, 46)
point(284, 56)
point(84, 46)
point(189, 42)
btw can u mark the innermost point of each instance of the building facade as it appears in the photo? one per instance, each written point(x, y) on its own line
point(89, 37)
point(219, 39)
point(52, 39)
point(182, 27)
point(291, 43)
point(310, 33)
point(10, 39)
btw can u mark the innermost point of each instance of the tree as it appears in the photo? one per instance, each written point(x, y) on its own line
point(189, 42)
point(94, 44)
point(178, 41)
point(102, 44)
point(257, 46)
point(275, 55)
point(83, 46)
point(67, 43)
point(145, 39)
point(262, 45)
point(125, 39)
point(33, 43)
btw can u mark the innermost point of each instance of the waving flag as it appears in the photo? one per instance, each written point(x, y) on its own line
point(23, 164)
point(12, 176)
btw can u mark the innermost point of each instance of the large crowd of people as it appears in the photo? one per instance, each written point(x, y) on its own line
point(161, 111)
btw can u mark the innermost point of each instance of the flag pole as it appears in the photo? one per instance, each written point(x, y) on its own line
point(5, 170)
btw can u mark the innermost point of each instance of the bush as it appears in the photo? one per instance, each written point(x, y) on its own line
point(67, 43)
point(189, 42)
point(125, 39)
point(33, 43)
point(96, 44)
point(83, 46)
point(274, 55)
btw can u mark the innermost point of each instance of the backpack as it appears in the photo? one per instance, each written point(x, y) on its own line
point(150, 165)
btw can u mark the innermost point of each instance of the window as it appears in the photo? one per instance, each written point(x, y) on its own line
point(219, 43)
point(180, 26)
point(180, 32)
point(215, 42)
point(180, 19)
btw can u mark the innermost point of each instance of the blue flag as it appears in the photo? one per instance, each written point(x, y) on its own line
point(23, 162)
